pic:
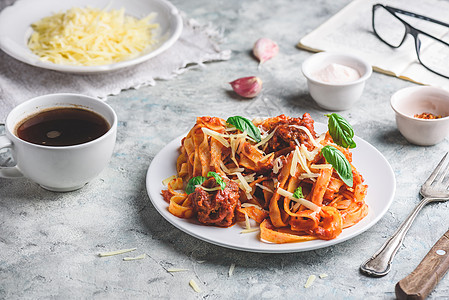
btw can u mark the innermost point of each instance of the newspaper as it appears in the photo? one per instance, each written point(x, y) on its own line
point(351, 31)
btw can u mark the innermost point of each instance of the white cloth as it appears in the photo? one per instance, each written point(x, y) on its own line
point(196, 45)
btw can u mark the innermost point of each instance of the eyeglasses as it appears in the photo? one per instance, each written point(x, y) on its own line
point(432, 52)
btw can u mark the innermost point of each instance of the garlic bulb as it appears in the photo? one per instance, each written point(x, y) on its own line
point(248, 87)
point(264, 49)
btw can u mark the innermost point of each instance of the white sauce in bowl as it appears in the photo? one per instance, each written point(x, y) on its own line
point(336, 73)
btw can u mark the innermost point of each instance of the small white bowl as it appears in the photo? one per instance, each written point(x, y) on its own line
point(417, 100)
point(335, 96)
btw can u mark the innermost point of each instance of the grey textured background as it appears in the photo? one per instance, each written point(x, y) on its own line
point(49, 241)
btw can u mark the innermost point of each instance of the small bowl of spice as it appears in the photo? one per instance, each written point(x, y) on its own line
point(336, 80)
point(422, 114)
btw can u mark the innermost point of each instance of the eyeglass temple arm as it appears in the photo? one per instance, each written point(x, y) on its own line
point(410, 14)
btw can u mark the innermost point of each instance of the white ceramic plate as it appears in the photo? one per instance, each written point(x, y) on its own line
point(15, 28)
point(368, 160)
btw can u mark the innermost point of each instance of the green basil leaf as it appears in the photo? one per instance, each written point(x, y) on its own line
point(245, 125)
point(194, 181)
point(218, 179)
point(298, 193)
point(341, 131)
point(339, 162)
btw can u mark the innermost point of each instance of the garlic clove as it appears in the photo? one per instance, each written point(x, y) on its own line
point(264, 49)
point(248, 87)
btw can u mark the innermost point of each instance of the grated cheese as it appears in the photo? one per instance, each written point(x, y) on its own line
point(134, 258)
point(295, 160)
point(218, 136)
point(302, 161)
point(208, 189)
point(167, 180)
point(277, 165)
point(250, 177)
point(247, 224)
point(250, 204)
point(305, 175)
point(117, 252)
point(244, 183)
point(322, 166)
point(266, 139)
point(231, 270)
point(172, 270)
point(254, 229)
point(90, 36)
point(309, 155)
point(194, 286)
point(310, 205)
point(310, 281)
point(264, 187)
point(234, 144)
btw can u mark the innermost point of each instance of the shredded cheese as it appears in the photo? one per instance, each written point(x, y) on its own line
point(294, 164)
point(266, 139)
point(310, 281)
point(247, 224)
point(117, 252)
point(194, 286)
point(248, 227)
point(231, 270)
point(305, 175)
point(322, 166)
point(244, 183)
point(172, 270)
point(254, 229)
point(167, 180)
point(234, 144)
point(90, 36)
point(310, 205)
point(277, 165)
point(218, 136)
point(250, 204)
point(302, 161)
point(264, 187)
point(323, 275)
point(142, 256)
point(236, 170)
point(208, 189)
point(250, 177)
point(309, 155)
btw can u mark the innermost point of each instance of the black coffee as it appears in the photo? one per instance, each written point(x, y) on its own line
point(63, 126)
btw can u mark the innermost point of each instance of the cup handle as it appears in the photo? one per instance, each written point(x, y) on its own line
point(8, 172)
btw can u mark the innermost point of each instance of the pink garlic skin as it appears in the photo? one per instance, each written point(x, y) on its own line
point(264, 49)
point(248, 87)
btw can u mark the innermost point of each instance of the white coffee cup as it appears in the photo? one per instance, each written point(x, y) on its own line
point(62, 168)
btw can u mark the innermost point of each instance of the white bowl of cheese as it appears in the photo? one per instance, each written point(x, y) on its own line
point(16, 30)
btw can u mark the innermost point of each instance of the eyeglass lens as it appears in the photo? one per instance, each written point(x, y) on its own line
point(389, 28)
point(432, 53)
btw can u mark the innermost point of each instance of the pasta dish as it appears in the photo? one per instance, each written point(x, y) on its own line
point(296, 185)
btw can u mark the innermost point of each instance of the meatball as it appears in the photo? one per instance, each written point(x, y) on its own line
point(217, 207)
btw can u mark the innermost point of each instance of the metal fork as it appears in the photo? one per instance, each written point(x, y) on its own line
point(434, 189)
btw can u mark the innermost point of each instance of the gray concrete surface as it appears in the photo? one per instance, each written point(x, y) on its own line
point(49, 241)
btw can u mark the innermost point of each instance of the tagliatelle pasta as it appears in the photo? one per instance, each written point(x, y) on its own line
point(282, 181)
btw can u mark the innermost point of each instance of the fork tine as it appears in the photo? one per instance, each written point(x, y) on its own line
point(437, 170)
point(444, 178)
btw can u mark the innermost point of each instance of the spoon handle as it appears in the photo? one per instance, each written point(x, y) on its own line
point(380, 263)
point(420, 283)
